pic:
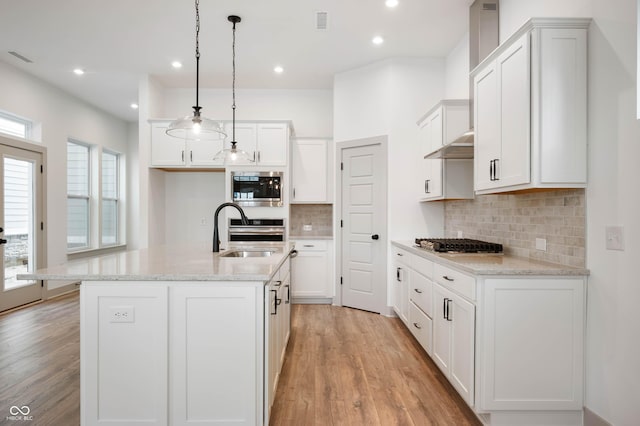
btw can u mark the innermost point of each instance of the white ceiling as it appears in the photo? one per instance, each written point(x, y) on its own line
point(117, 41)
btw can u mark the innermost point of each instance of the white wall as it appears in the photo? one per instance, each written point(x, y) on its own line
point(612, 196)
point(457, 70)
point(61, 116)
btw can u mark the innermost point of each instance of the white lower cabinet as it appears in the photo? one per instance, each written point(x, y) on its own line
point(511, 345)
point(454, 340)
point(181, 353)
point(311, 270)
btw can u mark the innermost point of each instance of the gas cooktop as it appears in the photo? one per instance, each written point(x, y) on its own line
point(458, 245)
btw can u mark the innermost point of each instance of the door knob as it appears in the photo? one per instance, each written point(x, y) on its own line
point(3, 241)
point(375, 237)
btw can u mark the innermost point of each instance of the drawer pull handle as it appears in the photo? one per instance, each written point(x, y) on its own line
point(308, 245)
point(416, 325)
point(447, 278)
point(400, 254)
point(417, 290)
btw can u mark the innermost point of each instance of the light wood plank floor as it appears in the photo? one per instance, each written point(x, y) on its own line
point(349, 367)
point(343, 367)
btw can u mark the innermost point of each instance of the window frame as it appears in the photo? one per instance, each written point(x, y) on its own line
point(102, 198)
point(87, 197)
point(28, 125)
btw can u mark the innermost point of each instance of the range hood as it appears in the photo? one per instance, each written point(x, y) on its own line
point(459, 149)
point(483, 39)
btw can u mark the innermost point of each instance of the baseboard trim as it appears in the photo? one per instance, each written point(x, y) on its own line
point(592, 419)
point(312, 300)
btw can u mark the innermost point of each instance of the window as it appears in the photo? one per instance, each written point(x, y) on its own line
point(110, 211)
point(14, 126)
point(78, 196)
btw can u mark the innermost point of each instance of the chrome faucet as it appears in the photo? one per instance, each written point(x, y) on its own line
point(216, 237)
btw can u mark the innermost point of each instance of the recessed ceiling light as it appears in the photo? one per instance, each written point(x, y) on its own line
point(134, 105)
point(176, 64)
point(377, 40)
point(278, 69)
point(391, 3)
point(78, 71)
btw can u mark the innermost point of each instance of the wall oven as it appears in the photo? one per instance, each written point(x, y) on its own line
point(257, 189)
point(257, 231)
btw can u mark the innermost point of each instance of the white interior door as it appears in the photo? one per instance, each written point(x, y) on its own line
point(20, 218)
point(363, 236)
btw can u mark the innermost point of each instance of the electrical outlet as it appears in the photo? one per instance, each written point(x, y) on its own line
point(203, 221)
point(615, 237)
point(121, 314)
point(307, 227)
point(541, 244)
point(459, 234)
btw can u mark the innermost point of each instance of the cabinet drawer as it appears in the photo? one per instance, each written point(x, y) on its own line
point(424, 266)
point(462, 284)
point(402, 256)
point(420, 292)
point(420, 326)
point(312, 245)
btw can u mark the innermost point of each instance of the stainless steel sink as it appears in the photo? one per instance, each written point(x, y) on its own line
point(248, 253)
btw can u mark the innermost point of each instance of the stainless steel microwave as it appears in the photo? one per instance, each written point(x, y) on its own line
point(257, 189)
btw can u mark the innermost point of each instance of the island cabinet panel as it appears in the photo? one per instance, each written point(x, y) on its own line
point(124, 333)
point(215, 351)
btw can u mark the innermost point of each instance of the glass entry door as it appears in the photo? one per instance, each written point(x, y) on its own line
point(20, 219)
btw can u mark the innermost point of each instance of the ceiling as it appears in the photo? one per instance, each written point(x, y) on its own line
point(117, 41)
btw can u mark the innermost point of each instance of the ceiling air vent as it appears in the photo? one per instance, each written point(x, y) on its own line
point(322, 20)
point(19, 56)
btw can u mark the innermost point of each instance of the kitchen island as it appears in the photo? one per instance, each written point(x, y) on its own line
point(175, 335)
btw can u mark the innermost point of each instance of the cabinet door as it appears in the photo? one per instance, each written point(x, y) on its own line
point(433, 183)
point(309, 171)
point(246, 136)
point(310, 272)
point(215, 371)
point(441, 329)
point(425, 137)
point(201, 153)
point(273, 143)
point(487, 127)
point(166, 150)
point(461, 369)
point(514, 83)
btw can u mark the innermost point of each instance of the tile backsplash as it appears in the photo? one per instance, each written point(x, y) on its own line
point(516, 220)
point(319, 216)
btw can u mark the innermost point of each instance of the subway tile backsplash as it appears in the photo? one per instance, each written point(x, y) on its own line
point(319, 216)
point(516, 220)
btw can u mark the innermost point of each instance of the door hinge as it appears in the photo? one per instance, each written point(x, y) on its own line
point(341, 166)
point(42, 226)
point(41, 168)
point(341, 223)
point(340, 280)
point(42, 283)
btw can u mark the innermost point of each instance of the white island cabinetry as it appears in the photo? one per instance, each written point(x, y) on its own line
point(508, 333)
point(180, 335)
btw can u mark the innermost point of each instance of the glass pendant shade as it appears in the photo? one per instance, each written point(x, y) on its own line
point(233, 155)
point(196, 128)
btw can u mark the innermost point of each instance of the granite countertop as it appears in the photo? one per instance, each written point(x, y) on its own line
point(180, 262)
point(492, 264)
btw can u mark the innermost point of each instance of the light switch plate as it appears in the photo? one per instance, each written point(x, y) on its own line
point(614, 235)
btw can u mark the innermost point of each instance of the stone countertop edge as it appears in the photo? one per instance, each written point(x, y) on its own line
point(505, 264)
point(311, 237)
point(197, 264)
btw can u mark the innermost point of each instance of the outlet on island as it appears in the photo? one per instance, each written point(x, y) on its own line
point(121, 314)
point(307, 227)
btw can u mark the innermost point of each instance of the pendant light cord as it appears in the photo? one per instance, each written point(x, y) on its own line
point(197, 107)
point(233, 83)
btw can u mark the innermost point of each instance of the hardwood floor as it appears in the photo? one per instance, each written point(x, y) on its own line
point(350, 367)
point(343, 367)
point(40, 362)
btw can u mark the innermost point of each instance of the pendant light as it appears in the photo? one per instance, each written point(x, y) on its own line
point(233, 155)
point(196, 127)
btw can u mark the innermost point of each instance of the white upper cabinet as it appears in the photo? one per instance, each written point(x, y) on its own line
point(530, 109)
point(310, 171)
point(450, 178)
point(167, 151)
point(266, 142)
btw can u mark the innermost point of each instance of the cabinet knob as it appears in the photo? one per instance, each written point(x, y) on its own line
point(375, 237)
